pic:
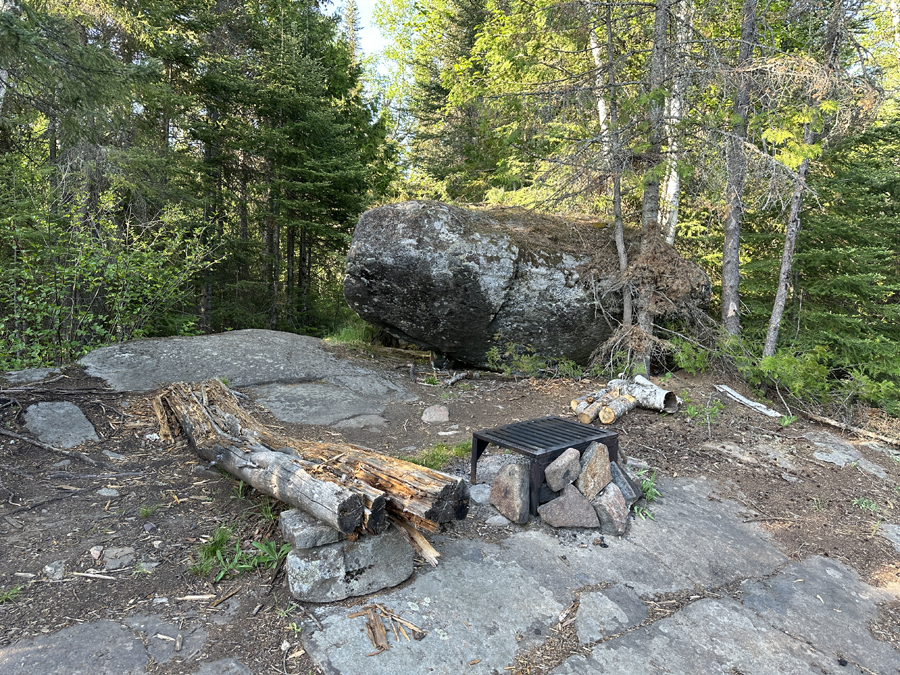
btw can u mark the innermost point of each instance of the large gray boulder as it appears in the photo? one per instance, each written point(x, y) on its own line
point(460, 281)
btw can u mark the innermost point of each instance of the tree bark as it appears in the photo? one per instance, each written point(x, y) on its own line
point(615, 148)
point(680, 83)
point(736, 167)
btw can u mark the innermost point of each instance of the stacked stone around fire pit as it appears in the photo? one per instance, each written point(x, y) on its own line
point(325, 565)
point(581, 490)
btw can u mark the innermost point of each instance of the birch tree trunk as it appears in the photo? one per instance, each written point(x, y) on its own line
point(833, 38)
point(736, 167)
point(675, 109)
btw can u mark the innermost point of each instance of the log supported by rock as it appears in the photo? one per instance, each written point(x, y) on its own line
point(348, 487)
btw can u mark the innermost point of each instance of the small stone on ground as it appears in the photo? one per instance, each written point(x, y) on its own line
point(59, 424)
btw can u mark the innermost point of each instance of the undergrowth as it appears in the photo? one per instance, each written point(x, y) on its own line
point(439, 456)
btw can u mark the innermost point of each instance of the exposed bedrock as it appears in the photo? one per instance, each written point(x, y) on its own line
point(459, 281)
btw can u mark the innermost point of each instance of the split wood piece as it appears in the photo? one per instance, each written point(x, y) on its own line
point(592, 411)
point(615, 408)
point(855, 430)
point(587, 399)
point(418, 542)
point(375, 631)
point(216, 425)
point(743, 400)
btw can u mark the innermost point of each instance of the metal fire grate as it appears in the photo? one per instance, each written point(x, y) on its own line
point(542, 440)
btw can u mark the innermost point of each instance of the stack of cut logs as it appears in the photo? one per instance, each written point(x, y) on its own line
point(620, 396)
point(352, 489)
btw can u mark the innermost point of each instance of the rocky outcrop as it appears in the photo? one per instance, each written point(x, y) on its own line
point(461, 281)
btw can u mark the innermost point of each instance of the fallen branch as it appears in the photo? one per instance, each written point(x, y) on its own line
point(743, 400)
point(418, 542)
point(75, 455)
point(855, 430)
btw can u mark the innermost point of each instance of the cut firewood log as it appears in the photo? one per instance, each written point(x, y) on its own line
point(648, 395)
point(591, 413)
point(615, 408)
point(346, 486)
point(583, 401)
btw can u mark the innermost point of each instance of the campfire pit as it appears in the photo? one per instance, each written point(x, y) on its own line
point(542, 440)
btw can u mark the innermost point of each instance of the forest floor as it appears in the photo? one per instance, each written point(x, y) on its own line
point(168, 505)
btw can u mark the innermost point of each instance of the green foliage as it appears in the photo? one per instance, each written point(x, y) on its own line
point(787, 420)
point(10, 594)
point(241, 491)
point(439, 456)
point(689, 356)
point(355, 333)
point(865, 504)
point(147, 511)
point(215, 554)
point(650, 492)
point(517, 360)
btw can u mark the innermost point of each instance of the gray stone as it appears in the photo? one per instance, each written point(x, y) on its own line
point(224, 667)
point(100, 648)
point(611, 510)
point(452, 279)
point(570, 510)
point(480, 494)
point(292, 375)
point(708, 637)
point(60, 424)
point(606, 612)
point(838, 451)
point(510, 492)
point(108, 492)
point(61, 464)
point(631, 489)
point(489, 465)
point(29, 375)
point(163, 650)
point(301, 530)
point(349, 568)
point(732, 450)
point(498, 521)
point(822, 602)
point(114, 455)
point(595, 471)
point(563, 470)
point(117, 558)
point(55, 571)
point(891, 532)
point(436, 414)
point(319, 403)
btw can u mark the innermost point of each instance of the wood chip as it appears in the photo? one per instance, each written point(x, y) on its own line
point(196, 597)
point(91, 575)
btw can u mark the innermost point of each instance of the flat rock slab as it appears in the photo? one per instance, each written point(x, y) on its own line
point(101, 648)
point(490, 602)
point(891, 533)
point(838, 451)
point(60, 424)
point(801, 621)
point(291, 374)
point(314, 402)
point(155, 631)
point(29, 375)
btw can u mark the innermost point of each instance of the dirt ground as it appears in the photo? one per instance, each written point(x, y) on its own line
point(166, 509)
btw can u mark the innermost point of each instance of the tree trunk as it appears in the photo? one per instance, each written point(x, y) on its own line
point(834, 32)
point(787, 258)
point(736, 167)
point(615, 148)
point(680, 83)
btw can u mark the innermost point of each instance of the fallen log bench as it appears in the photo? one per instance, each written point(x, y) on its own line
point(350, 488)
